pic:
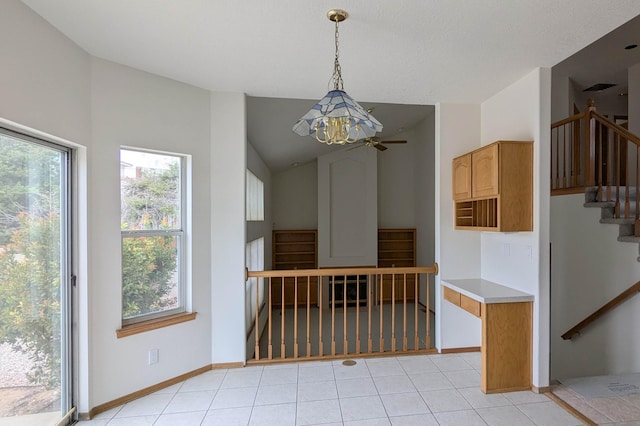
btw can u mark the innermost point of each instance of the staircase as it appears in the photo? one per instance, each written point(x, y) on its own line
point(592, 155)
point(627, 200)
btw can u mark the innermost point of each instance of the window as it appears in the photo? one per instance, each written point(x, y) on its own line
point(35, 278)
point(255, 197)
point(255, 262)
point(152, 212)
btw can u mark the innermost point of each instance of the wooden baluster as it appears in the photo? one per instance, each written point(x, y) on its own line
point(345, 343)
point(627, 181)
point(308, 315)
point(295, 318)
point(428, 317)
point(637, 194)
point(571, 171)
point(256, 327)
point(564, 160)
point(282, 342)
point(404, 313)
point(333, 315)
point(600, 148)
point(369, 318)
point(554, 132)
point(416, 338)
point(358, 316)
point(575, 126)
point(393, 312)
point(590, 145)
point(320, 309)
point(270, 345)
point(381, 350)
point(616, 171)
point(558, 161)
point(610, 163)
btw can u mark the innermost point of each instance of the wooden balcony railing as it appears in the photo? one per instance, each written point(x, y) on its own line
point(340, 312)
point(612, 304)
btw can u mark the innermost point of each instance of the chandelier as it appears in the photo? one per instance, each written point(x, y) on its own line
point(337, 118)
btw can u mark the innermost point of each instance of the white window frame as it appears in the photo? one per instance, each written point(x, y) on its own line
point(254, 255)
point(254, 198)
point(180, 233)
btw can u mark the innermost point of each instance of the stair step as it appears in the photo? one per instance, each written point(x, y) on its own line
point(626, 227)
point(629, 239)
point(600, 204)
point(618, 221)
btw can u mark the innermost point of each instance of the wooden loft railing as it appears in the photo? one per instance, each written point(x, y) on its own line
point(589, 150)
point(335, 322)
point(622, 297)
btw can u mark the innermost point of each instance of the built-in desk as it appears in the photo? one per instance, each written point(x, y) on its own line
point(507, 323)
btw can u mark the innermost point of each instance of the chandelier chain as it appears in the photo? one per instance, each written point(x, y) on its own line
point(338, 84)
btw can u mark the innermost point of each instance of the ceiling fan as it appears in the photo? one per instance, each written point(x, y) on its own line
point(376, 143)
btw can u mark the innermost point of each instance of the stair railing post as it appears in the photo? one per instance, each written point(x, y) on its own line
point(590, 145)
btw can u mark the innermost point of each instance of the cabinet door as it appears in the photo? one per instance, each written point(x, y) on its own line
point(462, 177)
point(484, 169)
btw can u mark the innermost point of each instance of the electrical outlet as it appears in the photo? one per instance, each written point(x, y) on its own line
point(506, 249)
point(154, 356)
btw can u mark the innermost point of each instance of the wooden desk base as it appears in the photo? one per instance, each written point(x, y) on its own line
point(506, 347)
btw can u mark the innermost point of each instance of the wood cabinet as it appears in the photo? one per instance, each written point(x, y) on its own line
point(493, 188)
point(507, 330)
point(462, 177)
point(465, 302)
point(297, 249)
point(484, 171)
point(506, 357)
point(397, 248)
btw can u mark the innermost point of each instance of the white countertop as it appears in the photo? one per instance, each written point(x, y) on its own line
point(487, 292)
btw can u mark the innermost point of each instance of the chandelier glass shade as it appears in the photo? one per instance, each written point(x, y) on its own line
point(337, 118)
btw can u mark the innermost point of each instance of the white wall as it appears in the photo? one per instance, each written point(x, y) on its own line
point(589, 268)
point(228, 172)
point(561, 96)
point(396, 182)
point(400, 181)
point(425, 200)
point(456, 252)
point(295, 198)
point(347, 208)
point(44, 77)
point(522, 112)
point(49, 85)
point(137, 109)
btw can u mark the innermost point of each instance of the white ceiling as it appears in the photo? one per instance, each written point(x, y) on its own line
point(410, 52)
point(403, 51)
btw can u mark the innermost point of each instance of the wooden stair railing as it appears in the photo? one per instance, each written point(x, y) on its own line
point(589, 150)
point(615, 302)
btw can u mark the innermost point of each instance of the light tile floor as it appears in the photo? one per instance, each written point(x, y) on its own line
point(408, 390)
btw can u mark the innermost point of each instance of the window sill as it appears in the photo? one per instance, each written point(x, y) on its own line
point(144, 326)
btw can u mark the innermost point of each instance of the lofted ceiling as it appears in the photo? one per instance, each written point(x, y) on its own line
point(395, 56)
point(269, 122)
point(606, 60)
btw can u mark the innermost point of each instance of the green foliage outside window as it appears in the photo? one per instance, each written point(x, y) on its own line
point(148, 264)
point(150, 201)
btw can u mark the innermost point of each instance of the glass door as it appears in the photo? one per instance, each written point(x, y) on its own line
point(35, 349)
